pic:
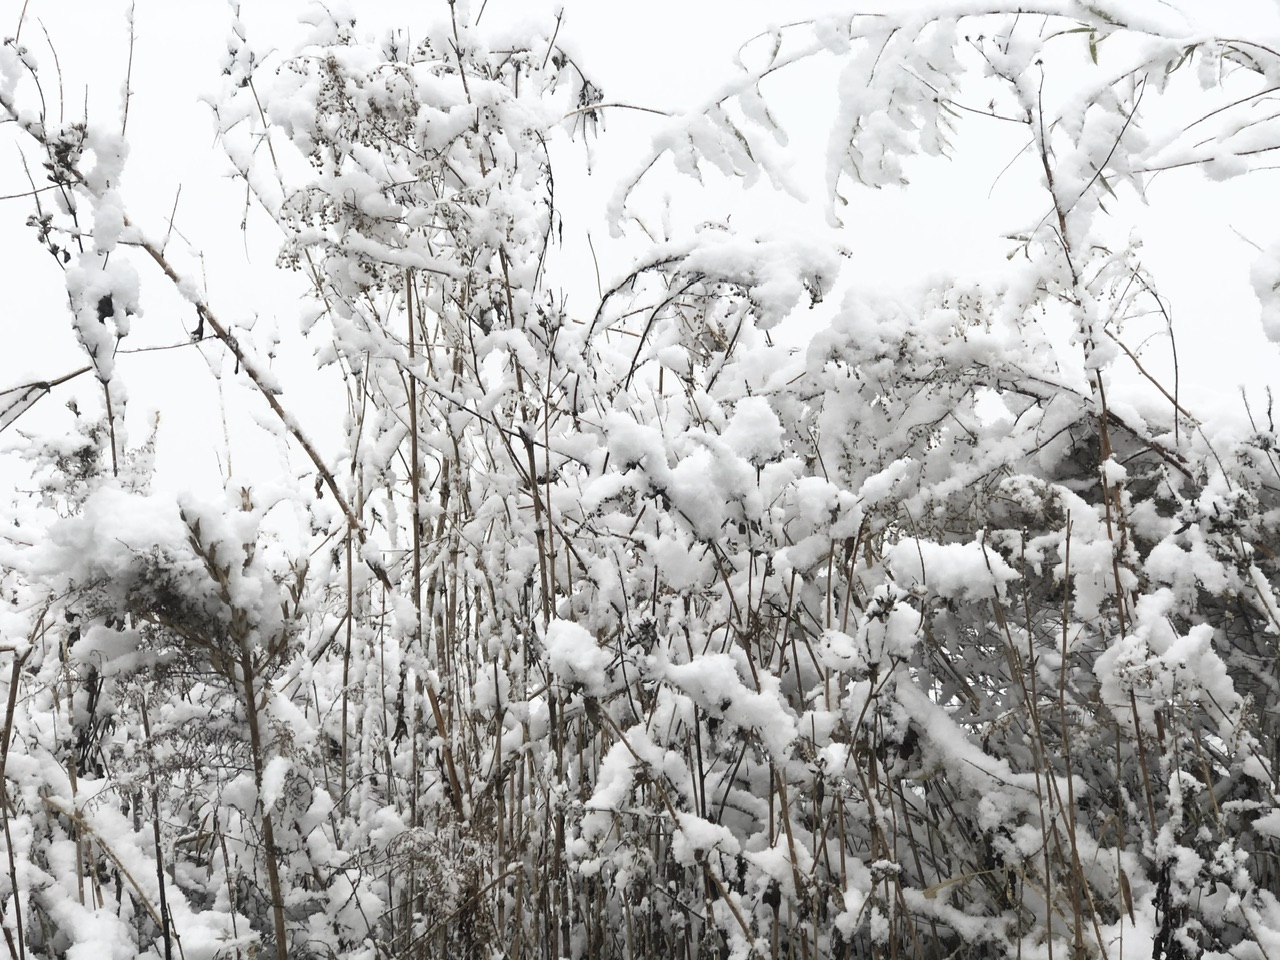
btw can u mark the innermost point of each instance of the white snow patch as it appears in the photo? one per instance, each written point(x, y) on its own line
point(273, 776)
point(575, 657)
point(969, 571)
point(754, 432)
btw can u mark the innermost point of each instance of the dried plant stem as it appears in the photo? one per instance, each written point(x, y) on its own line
point(165, 920)
point(270, 851)
point(6, 803)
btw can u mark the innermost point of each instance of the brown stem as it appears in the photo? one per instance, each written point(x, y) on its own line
point(15, 676)
point(165, 919)
point(268, 832)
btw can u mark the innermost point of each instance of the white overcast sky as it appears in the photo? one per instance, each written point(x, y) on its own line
point(661, 53)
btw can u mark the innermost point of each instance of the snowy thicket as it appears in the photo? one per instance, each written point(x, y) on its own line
point(640, 631)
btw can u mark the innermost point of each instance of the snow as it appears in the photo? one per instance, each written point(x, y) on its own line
point(713, 682)
point(681, 566)
point(782, 510)
point(114, 531)
point(754, 432)
point(273, 777)
point(1266, 287)
point(969, 571)
point(697, 837)
point(1268, 825)
point(577, 659)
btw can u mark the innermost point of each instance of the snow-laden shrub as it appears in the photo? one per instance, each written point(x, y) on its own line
point(638, 632)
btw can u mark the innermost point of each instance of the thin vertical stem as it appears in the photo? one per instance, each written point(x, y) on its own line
point(268, 831)
point(15, 676)
point(165, 920)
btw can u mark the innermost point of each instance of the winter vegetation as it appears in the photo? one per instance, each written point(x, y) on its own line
point(751, 611)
